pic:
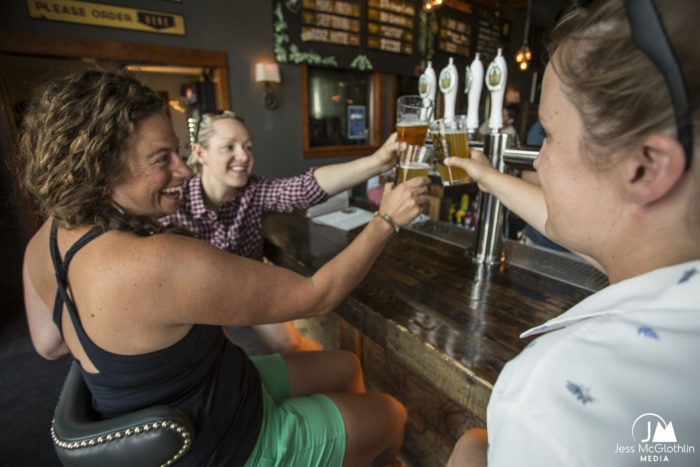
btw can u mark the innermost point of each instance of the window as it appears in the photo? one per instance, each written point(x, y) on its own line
point(342, 112)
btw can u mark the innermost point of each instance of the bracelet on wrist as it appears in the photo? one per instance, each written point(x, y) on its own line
point(388, 219)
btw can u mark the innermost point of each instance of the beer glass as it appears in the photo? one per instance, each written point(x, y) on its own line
point(450, 139)
point(419, 165)
point(412, 119)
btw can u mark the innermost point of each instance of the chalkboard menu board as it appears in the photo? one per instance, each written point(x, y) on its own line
point(455, 36)
point(331, 22)
point(390, 36)
point(390, 25)
point(490, 32)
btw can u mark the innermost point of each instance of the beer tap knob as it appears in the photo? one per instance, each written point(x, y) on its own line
point(496, 76)
point(448, 86)
point(427, 86)
point(473, 85)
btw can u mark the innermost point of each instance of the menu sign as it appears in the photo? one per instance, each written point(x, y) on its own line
point(454, 36)
point(331, 21)
point(388, 36)
point(390, 25)
point(325, 20)
point(489, 35)
point(109, 16)
point(345, 7)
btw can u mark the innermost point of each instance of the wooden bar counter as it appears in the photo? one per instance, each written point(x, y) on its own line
point(431, 327)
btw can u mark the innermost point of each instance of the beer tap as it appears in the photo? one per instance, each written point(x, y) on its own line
point(448, 86)
point(472, 87)
point(488, 246)
point(496, 76)
point(427, 86)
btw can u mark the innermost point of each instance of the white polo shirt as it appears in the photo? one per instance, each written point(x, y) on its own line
point(614, 381)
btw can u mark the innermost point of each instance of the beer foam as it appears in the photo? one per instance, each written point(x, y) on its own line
point(412, 123)
point(414, 165)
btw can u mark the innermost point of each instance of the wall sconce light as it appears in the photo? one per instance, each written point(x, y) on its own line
point(268, 73)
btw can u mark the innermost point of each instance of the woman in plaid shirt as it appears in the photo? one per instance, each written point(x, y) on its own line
point(224, 204)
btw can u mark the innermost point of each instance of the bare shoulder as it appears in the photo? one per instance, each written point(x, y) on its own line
point(117, 257)
point(161, 253)
point(37, 270)
point(39, 290)
point(158, 274)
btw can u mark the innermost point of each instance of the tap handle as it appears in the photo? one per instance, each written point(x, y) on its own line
point(475, 81)
point(496, 76)
point(448, 86)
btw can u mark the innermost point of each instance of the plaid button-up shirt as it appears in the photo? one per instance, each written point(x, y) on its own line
point(237, 227)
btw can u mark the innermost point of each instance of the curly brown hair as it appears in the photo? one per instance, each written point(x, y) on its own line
point(73, 144)
point(620, 94)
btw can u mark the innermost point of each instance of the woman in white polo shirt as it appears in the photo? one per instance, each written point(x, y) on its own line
point(614, 380)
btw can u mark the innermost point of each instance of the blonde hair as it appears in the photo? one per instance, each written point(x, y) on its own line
point(205, 131)
point(621, 95)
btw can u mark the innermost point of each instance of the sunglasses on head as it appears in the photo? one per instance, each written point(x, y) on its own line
point(208, 113)
point(649, 36)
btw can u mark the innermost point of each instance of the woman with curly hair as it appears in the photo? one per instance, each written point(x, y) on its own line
point(141, 308)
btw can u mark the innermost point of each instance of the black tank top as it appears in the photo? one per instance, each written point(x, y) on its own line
point(203, 374)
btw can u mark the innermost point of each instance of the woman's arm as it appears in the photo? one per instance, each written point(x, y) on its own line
point(44, 333)
point(470, 450)
point(339, 177)
point(522, 197)
point(204, 285)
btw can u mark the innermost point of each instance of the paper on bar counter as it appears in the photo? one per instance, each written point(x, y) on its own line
point(336, 212)
point(334, 203)
point(346, 219)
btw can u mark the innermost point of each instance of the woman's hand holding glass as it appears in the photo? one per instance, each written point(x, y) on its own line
point(386, 154)
point(477, 166)
point(403, 202)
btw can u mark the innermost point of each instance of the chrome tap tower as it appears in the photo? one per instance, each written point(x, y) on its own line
point(488, 244)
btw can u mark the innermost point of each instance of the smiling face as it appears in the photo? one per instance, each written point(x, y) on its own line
point(581, 199)
point(227, 160)
point(154, 181)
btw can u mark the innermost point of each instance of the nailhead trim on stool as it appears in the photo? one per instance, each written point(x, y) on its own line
point(165, 424)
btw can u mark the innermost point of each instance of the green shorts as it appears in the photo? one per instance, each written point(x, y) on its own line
point(305, 431)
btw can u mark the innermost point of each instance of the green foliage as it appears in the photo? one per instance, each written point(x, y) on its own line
point(279, 37)
point(310, 57)
point(361, 62)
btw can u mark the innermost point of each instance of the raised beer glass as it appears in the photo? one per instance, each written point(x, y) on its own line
point(412, 119)
point(450, 139)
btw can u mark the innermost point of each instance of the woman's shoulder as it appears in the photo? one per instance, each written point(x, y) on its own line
point(112, 250)
point(37, 259)
point(38, 240)
point(129, 245)
point(163, 254)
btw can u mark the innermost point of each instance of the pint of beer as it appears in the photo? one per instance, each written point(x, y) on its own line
point(450, 139)
point(412, 133)
point(412, 119)
point(418, 165)
point(412, 170)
